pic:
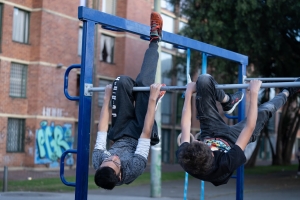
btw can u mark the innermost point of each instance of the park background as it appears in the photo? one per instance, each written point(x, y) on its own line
point(39, 39)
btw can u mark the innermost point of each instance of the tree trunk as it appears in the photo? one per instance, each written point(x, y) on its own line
point(287, 130)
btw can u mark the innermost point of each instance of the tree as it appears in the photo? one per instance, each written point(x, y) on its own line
point(267, 31)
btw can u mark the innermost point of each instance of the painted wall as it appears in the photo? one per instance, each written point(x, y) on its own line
point(51, 141)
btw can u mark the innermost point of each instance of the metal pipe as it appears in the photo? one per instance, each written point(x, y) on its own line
point(272, 79)
point(5, 175)
point(219, 86)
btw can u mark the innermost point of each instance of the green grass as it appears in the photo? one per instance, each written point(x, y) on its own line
point(260, 170)
point(55, 184)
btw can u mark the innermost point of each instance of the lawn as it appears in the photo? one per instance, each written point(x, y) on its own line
point(55, 184)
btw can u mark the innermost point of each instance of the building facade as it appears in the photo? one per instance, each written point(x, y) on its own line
point(39, 39)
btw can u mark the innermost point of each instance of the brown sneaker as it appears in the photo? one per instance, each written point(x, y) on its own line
point(156, 25)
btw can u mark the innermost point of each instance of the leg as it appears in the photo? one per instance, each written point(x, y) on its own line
point(122, 106)
point(145, 78)
point(265, 112)
point(207, 111)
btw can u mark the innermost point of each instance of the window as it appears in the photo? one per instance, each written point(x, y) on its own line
point(167, 5)
point(165, 139)
point(109, 6)
point(107, 48)
point(169, 27)
point(102, 83)
point(166, 61)
point(18, 80)
point(15, 135)
point(179, 106)
point(1, 11)
point(79, 41)
point(20, 26)
point(166, 108)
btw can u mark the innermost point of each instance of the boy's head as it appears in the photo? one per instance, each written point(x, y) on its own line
point(106, 178)
point(196, 158)
point(109, 173)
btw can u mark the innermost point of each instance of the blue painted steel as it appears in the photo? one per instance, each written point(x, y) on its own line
point(84, 117)
point(204, 63)
point(188, 63)
point(186, 183)
point(241, 116)
point(231, 117)
point(202, 190)
point(204, 71)
point(88, 14)
point(62, 167)
point(91, 17)
point(188, 59)
point(66, 82)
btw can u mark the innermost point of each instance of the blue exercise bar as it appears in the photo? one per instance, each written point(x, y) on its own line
point(92, 17)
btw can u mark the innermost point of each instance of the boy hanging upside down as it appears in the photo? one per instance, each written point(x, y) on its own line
point(133, 128)
point(219, 149)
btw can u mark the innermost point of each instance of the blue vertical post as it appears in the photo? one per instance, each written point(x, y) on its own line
point(204, 71)
point(204, 63)
point(188, 61)
point(84, 117)
point(241, 116)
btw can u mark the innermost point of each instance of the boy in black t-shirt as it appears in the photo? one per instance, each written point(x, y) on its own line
point(220, 149)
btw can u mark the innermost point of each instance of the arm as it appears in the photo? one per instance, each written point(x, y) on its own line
point(149, 119)
point(104, 114)
point(247, 131)
point(103, 120)
point(187, 113)
point(144, 141)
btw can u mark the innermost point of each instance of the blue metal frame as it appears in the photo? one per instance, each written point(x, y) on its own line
point(92, 17)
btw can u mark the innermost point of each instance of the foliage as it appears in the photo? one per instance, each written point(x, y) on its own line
point(265, 30)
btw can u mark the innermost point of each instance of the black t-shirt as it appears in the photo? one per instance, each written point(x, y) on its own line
point(223, 166)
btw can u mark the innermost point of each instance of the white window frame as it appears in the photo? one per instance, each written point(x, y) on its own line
point(20, 31)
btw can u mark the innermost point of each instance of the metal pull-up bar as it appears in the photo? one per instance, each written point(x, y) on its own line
point(220, 86)
point(272, 79)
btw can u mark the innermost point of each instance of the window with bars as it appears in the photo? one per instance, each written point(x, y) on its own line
point(20, 26)
point(18, 80)
point(165, 140)
point(1, 13)
point(79, 41)
point(166, 114)
point(102, 83)
point(109, 6)
point(15, 135)
point(107, 48)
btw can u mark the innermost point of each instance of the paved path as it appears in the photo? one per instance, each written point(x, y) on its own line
point(279, 186)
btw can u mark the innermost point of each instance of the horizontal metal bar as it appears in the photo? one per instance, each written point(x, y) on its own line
point(272, 79)
point(220, 86)
point(121, 24)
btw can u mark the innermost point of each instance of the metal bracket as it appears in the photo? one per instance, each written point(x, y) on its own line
point(87, 86)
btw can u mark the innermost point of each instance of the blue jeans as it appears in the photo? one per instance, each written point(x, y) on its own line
point(129, 108)
point(211, 123)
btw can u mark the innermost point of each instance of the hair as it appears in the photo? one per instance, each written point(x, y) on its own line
point(196, 158)
point(106, 178)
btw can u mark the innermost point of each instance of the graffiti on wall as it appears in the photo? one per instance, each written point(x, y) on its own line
point(51, 141)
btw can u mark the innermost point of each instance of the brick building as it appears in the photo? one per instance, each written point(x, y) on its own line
point(39, 39)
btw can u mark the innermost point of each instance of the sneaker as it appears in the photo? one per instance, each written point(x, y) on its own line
point(293, 90)
point(160, 96)
point(235, 99)
point(156, 24)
